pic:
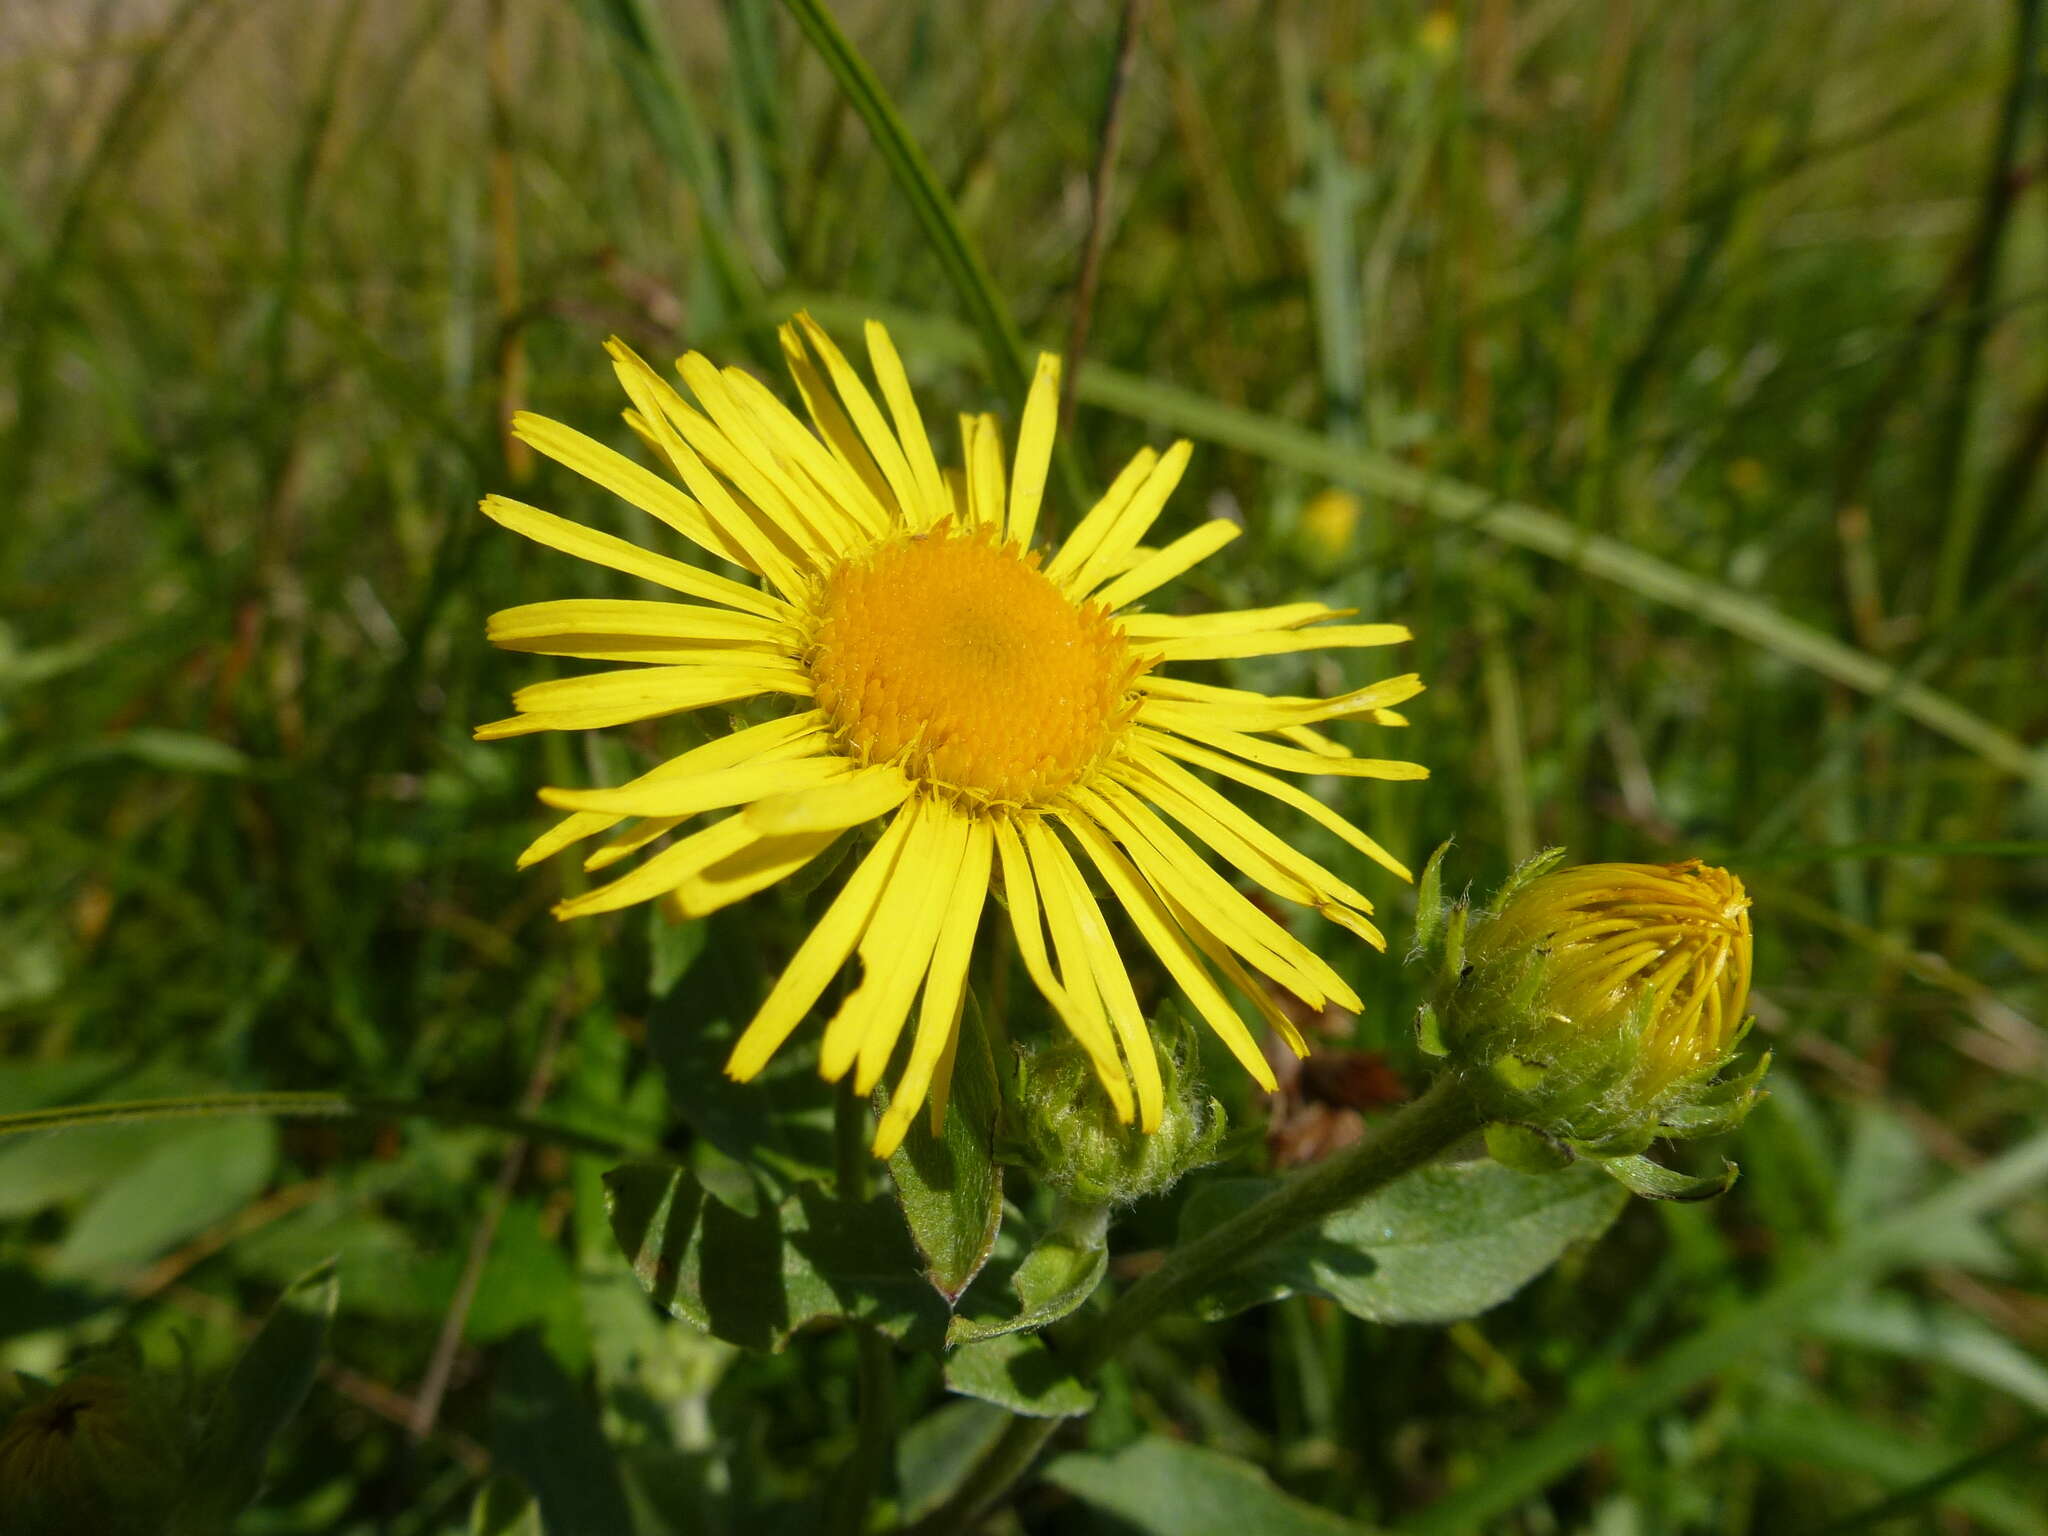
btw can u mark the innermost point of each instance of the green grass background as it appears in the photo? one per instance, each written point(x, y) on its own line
point(1689, 362)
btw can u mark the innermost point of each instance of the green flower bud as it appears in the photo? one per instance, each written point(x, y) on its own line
point(102, 1454)
point(1590, 1010)
point(1071, 1138)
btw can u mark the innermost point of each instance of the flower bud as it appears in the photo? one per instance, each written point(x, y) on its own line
point(1070, 1136)
point(101, 1454)
point(1590, 1009)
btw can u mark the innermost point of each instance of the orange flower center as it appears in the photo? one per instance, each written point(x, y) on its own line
point(957, 657)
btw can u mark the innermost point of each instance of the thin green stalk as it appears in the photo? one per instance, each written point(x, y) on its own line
point(1430, 1125)
point(1001, 341)
point(321, 1106)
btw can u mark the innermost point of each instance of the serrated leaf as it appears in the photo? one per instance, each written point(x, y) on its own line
point(1437, 1245)
point(1056, 1276)
point(950, 1186)
point(264, 1390)
point(1166, 1488)
point(1019, 1372)
point(754, 1280)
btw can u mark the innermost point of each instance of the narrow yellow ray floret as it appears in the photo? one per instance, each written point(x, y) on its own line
point(1003, 710)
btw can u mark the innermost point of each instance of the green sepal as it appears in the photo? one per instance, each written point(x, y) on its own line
point(1529, 869)
point(1527, 1148)
point(1429, 900)
point(1628, 1141)
point(1656, 1182)
point(1429, 1032)
point(1714, 1107)
point(1518, 1073)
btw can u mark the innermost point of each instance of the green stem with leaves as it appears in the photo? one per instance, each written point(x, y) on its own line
point(1432, 1124)
point(875, 1428)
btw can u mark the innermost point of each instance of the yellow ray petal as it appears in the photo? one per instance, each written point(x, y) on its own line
point(742, 784)
point(808, 467)
point(1084, 1020)
point(1249, 986)
point(585, 543)
point(875, 433)
point(1230, 621)
point(773, 741)
point(1157, 927)
point(754, 868)
point(1087, 534)
point(1066, 895)
point(1286, 793)
point(736, 442)
point(1034, 450)
point(1137, 515)
point(657, 685)
point(938, 1016)
point(1170, 863)
point(984, 460)
point(934, 503)
point(860, 796)
point(896, 950)
point(1257, 852)
point(585, 617)
point(1240, 709)
point(839, 434)
point(823, 951)
point(1278, 643)
point(1163, 565)
point(783, 560)
point(664, 871)
point(628, 481)
point(1293, 760)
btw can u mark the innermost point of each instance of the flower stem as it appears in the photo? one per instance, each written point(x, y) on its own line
point(1431, 1124)
point(875, 1431)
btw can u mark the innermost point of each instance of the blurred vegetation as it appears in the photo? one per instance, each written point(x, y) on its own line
point(1741, 303)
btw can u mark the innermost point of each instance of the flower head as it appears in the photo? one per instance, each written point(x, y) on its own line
point(1594, 1006)
point(100, 1454)
point(1005, 708)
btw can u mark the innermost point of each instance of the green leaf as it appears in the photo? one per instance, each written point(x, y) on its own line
point(1436, 1245)
point(950, 1186)
point(1429, 899)
point(1019, 1372)
point(202, 1176)
point(1921, 1330)
point(504, 1508)
point(754, 1280)
point(263, 1392)
point(1167, 1488)
point(547, 1435)
point(780, 1119)
point(938, 1450)
point(1060, 1272)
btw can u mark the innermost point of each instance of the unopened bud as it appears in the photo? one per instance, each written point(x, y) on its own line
point(102, 1454)
point(1590, 1010)
point(1072, 1140)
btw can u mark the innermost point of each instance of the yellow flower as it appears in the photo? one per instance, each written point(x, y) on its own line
point(1003, 708)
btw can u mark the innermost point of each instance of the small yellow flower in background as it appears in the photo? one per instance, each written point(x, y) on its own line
point(1003, 707)
point(1596, 1005)
point(1327, 524)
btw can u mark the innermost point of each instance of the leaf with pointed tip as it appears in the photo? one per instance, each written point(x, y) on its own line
point(263, 1392)
point(1653, 1181)
point(1019, 1372)
point(754, 1280)
point(1060, 1272)
point(1437, 1245)
point(950, 1185)
point(1429, 899)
